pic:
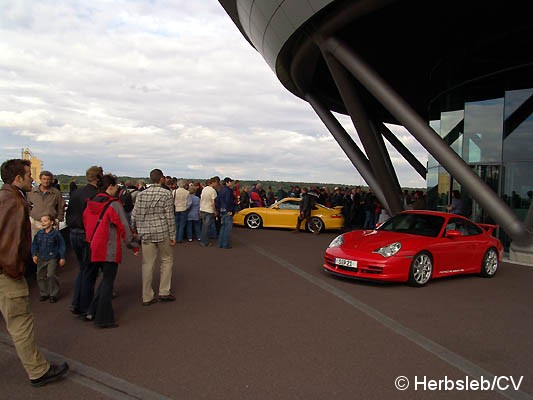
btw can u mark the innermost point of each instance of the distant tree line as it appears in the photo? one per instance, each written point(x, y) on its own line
point(64, 181)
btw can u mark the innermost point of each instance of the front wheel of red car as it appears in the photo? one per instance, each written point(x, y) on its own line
point(489, 266)
point(421, 269)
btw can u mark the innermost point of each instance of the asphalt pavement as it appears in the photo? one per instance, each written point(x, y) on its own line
point(264, 321)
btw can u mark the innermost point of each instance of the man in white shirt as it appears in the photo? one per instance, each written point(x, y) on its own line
point(207, 210)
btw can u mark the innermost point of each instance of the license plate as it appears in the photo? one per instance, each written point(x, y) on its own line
point(346, 263)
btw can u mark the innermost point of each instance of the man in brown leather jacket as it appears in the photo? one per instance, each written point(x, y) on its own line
point(15, 242)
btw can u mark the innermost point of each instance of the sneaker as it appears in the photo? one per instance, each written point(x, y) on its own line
point(43, 298)
point(190, 240)
point(53, 299)
point(168, 297)
point(53, 374)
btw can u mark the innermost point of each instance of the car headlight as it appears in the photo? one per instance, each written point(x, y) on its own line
point(337, 242)
point(389, 250)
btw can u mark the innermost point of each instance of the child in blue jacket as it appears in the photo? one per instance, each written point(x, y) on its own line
point(48, 250)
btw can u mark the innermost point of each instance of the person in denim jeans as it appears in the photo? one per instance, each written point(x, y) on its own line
point(83, 291)
point(226, 209)
point(193, 215)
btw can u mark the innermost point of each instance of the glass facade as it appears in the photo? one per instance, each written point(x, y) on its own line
point(451, 129)
point(517, 185)
point(494, 137)
point(483, 131)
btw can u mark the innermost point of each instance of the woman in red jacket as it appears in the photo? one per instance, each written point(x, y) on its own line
point(106, 225)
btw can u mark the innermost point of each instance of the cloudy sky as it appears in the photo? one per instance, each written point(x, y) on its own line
point(171, 84)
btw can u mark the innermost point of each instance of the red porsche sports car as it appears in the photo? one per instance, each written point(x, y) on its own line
point(415, 246)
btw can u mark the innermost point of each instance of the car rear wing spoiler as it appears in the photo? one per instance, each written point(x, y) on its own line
point(489, 228)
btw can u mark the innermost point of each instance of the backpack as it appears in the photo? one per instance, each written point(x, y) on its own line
point(126, 199)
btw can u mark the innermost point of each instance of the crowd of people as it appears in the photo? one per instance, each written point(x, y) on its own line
point(104, 213)
point(360, 207)
point(100, 216)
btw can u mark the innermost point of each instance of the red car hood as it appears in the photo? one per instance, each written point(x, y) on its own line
point(368, 240)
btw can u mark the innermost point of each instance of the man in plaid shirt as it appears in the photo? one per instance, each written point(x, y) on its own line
point(153, 218)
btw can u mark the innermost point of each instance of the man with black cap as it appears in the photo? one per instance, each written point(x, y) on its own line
point(226, 209)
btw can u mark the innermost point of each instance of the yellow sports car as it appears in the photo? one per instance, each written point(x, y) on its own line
point(284, 214)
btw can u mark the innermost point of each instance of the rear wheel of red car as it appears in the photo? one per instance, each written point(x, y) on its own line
point(489, 266)
point(253, 221)
point(421, 269)
point(315, 225)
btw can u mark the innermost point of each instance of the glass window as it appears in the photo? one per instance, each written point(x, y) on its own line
point(438, 188)
point(518, 187)
point(452, 128)
point(462, 225)
point(415, 224)
point(443, 189)
point(483, 131)
point(289, 205)
point(432, 197)
point(435, 125)
point(518, 125)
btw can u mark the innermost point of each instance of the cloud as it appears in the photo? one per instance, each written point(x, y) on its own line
point(169, 84)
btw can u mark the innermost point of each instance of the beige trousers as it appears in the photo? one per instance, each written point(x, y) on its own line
point(15, 307)
point(149, 254)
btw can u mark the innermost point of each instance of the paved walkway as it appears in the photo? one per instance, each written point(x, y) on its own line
point(263, 321)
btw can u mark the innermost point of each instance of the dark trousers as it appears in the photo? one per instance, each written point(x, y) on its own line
point(303, 216)
point(86, 278)
point(101, 308)
point(181, 223)
point(193, 223)
point(207, 220)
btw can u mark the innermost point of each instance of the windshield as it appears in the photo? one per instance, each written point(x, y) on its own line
point(415, 224)
point(287, 205)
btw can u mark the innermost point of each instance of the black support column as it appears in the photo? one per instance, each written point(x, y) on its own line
point(374, 145)
point(404, 151)
point(350, 148)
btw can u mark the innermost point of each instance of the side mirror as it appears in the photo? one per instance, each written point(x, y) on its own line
point(275, 207)
point(453, 233)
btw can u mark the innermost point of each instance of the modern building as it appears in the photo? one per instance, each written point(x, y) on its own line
point(36, 164)
point(458, 75)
